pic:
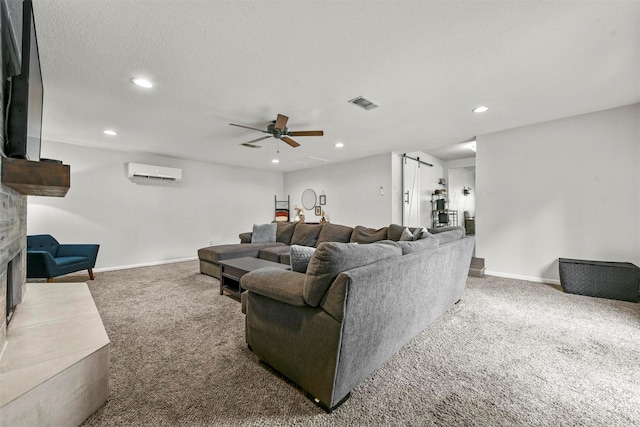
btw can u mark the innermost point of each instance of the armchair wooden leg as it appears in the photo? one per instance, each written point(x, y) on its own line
point(91, 274)
point(49, 279)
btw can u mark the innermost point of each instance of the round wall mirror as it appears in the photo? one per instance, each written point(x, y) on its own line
point(309, 199)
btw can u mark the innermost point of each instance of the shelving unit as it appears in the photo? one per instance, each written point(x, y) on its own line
point(282, 208)
point(441, 215)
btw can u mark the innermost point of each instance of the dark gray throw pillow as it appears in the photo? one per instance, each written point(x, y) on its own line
point(300, 256)
point(263, 233)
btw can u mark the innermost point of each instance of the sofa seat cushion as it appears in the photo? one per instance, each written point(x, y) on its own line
point(285, 258)
point(368, 235)
point(306, 234)
point(273, 253)
point(69, 260)
point(332, 258)
point(222, 252)
point(334, 233)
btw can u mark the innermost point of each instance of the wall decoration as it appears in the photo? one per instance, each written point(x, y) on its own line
point(309, 199)
point(323, 200)
point(318, 211)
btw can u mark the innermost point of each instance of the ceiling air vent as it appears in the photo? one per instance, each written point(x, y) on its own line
point(363, 102)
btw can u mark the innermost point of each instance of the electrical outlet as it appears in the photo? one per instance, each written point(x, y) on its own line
point(210, 242)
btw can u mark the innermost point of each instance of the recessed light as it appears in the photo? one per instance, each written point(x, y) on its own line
point(142, 82)
point(480, 109)
point(339, 145)
point(110, 132)
point(275, 161)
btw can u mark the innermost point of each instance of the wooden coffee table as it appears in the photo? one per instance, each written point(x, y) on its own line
point(232, 270)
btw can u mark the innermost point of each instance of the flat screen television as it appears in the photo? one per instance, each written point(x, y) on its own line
point(24, 119)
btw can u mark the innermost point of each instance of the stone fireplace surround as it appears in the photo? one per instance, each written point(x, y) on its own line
point(54, 354)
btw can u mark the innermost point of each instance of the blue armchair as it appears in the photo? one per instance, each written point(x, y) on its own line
point(46, 258)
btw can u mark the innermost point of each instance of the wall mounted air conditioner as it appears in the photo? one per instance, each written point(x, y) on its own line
point(140, 171)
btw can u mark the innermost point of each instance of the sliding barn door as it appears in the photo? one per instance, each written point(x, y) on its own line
point(410, 193)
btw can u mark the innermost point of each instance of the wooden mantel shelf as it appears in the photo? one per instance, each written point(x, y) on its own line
point(36, 178)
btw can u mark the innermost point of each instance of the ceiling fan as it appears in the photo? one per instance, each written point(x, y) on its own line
point(278, 129)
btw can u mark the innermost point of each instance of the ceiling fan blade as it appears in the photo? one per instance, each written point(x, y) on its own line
point(253, 141)
point(290, 141)
point(306, 133)
point(281, 122)
point(248, 127)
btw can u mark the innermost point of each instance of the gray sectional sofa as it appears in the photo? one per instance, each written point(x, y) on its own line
point(332, 325)
point(293, 233)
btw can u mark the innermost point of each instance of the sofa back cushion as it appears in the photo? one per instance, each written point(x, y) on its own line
point(368, 235)
point(409, 247)
point(395, 231)
point(450, 235)
point(334, 233)
point(43, 242)
point(332, 258)
point(284, 232)
point(306, 234)
point(447, 228)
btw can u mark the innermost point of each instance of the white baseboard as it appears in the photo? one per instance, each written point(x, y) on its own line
point(521, 277)
point(146, 264)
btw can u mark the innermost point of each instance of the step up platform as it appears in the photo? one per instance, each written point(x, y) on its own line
point(477, 267)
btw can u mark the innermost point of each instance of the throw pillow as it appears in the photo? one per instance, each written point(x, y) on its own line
point(421, 233)
point(300, 256)
point(263, 233)
point(406, 235)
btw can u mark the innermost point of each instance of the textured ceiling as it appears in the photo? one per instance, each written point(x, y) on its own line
point(426, 63)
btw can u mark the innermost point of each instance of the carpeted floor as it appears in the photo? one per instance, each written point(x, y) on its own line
point(512, 353)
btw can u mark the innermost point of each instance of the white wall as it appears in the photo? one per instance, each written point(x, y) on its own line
point(566, 188)
point(148, 223)
point(458, 178)
point(352, 189)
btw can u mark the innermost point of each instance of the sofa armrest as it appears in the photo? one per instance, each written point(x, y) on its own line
point(40, 264)
point(275, 283)
point(245, 237)
point(88, 250)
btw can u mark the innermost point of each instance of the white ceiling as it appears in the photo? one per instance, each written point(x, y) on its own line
point(426, 63)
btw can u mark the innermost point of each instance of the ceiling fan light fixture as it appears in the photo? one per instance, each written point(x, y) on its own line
point(363, 102)
point(480, 109)
point(142, 82)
